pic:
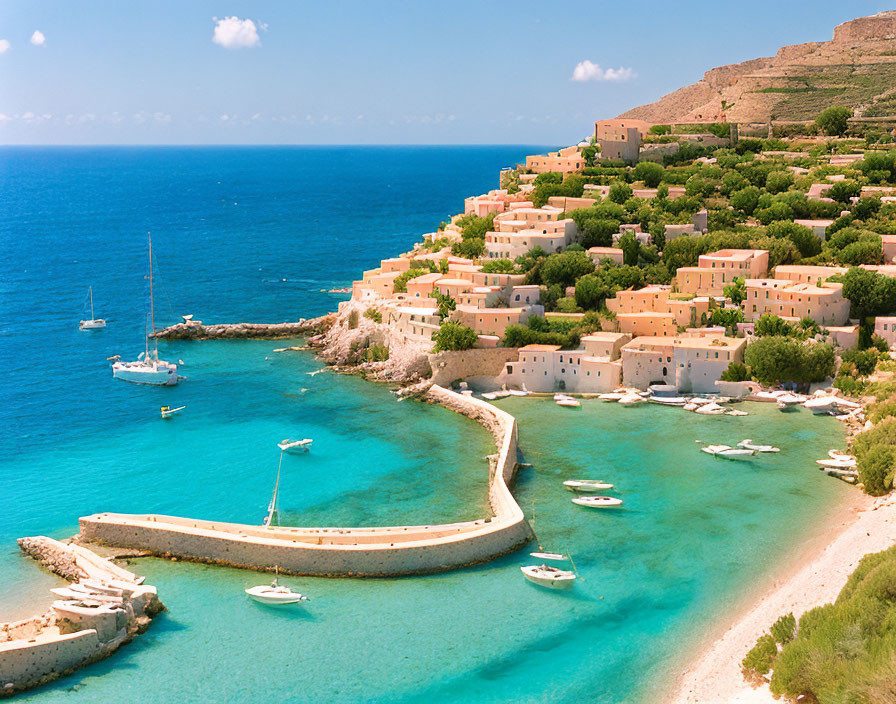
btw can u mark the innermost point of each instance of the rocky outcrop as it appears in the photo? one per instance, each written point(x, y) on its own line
point(788, 85)
point(246, 331)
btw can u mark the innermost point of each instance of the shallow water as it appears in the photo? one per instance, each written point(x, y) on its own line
point(694, 534)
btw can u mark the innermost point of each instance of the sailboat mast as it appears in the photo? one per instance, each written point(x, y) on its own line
point(92, 316)
point(152, 305)
point(272, 507)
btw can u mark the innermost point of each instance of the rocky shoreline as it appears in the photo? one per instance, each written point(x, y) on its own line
point(246, 331)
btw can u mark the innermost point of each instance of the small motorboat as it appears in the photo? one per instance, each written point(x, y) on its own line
point(274, 594)
point(613, 396)
point(550, 577)
point(735, 412)
point(288, 445)
point(167, 411)
point(841, 462)
point(727, 452)
point(836, 454)
point(489, 396)
point(586, 486)
point(518, 392)
point(548, 555)
point(789, 402)
point(710, 409)
point(668, 400)
point(691, 406)
point(631, 400)
point(569, 402)
point(598, 501)
point(560, 397)
point(750, 445)
point(823, 405)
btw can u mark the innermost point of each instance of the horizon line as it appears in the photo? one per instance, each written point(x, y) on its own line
point(284, 144)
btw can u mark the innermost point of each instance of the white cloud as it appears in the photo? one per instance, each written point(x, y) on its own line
point(4, 46)
point(234, 33)
point(38, 38)
point(587, 71)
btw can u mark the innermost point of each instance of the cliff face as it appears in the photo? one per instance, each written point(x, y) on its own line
point(857, 68)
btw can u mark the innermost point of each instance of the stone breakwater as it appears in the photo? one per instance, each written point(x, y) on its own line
point(245, 331)
point(336, 552)
point(102, 608)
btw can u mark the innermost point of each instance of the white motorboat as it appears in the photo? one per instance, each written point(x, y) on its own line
point(789, 402)
point(148, 369)
point(750, 445)
point(668, 400)
point(288, 445)
point(598, 501)
point(769, 395)
point(631, 400)
point(834, 454)
point(710, 409)
point(93, 323)
point(569, 402)
point(518, 392)
point(489, 396)
point(586, 486)
point(727, 452)
point(841, 462)
point(613, 396)
point(822, 405)
point(274, 594)
point(560, 397)
point(690, 406)
point(735, 412)
point(549, 556)
point(167, 411)
point(550, 577)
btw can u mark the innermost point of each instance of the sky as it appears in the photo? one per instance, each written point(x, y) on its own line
point(362, 72)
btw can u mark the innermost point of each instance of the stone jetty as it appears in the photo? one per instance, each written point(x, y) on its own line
point(103, 607)
point(245, 331)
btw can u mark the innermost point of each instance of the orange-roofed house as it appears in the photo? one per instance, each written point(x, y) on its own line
point(564, 161)
point(716, 270)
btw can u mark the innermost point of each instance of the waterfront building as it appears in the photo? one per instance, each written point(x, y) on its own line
point(825, 304)
point(692, 363)
point(564, 161)
point(716, 270)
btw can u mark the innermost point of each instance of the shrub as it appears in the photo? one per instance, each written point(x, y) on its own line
point(619, 192)
point(776, 359)
point(498, 266)
point(759, 659)
point(472, 248)
point(833, 120)
point(452, 336)
point(374, 315)
point(736, 372)
point(565, 268)
point(876, 469)
point(778, 181)
point(353, 318)
point(745, 200)
point(377, 353)
point(784, 629)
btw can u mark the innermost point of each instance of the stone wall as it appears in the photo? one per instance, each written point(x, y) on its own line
point(473, 364)
point(391, 551)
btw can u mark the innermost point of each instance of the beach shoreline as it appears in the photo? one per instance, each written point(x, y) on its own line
point(861, 525)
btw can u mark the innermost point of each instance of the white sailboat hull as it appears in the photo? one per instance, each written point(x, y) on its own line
point(92, 324)
point(151, 373)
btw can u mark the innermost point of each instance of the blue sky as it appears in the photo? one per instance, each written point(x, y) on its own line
point(347, 72)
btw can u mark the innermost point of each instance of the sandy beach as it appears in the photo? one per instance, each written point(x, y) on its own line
point(868, 526)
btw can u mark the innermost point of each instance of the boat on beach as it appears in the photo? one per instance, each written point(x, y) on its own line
point(668, 400)
point(93, 323)
point(612, 396)
point(148, 369)
point(631, 400)
point(727, 452)
point(598, 501)
point(287, 445)
point(586, 486)
point(550, 577)
point(710, 409)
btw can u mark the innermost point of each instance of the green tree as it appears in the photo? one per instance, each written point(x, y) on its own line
point(619, 192)
point(472, 248)
point(598, 232)
point(745, 200)
point(446, 303)
point(630, 247)
point(778, 181)
point(736, 291)
point(870, 293)
point(833, 120)
point(649, 172)
point(802, 237)
point(777, 359)
point(736, 372)
point(452, 336)
point(843, 191)
point(565, 268)
point(498, 266)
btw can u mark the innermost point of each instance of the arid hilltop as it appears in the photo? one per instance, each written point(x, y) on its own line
point(857, 68)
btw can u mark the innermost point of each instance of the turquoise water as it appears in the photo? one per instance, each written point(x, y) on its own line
point(693, 534)
point(229, 225)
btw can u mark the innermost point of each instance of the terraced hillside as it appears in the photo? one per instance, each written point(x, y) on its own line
point(857, 68)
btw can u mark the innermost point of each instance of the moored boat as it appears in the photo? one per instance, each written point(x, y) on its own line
point(710, 409)
point(586, 485)
point(274, 594)
point(748, 444)
point(93, 323)
point(598, 501)
point(167, 411)
point(288, 445)
point(727, 452)
point(841, 462)
point(550, 577)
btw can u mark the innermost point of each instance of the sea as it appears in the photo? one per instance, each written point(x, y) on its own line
point(264, 234)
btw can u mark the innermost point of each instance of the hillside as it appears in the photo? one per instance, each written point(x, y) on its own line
point(857, 68)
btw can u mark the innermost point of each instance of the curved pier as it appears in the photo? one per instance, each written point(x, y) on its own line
point(368, 552)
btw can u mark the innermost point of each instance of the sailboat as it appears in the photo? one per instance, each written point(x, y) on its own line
point(94, 323)
point(148, 369)
point(274, 505)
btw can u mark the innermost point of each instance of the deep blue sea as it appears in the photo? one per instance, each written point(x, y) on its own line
point(261, 235)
